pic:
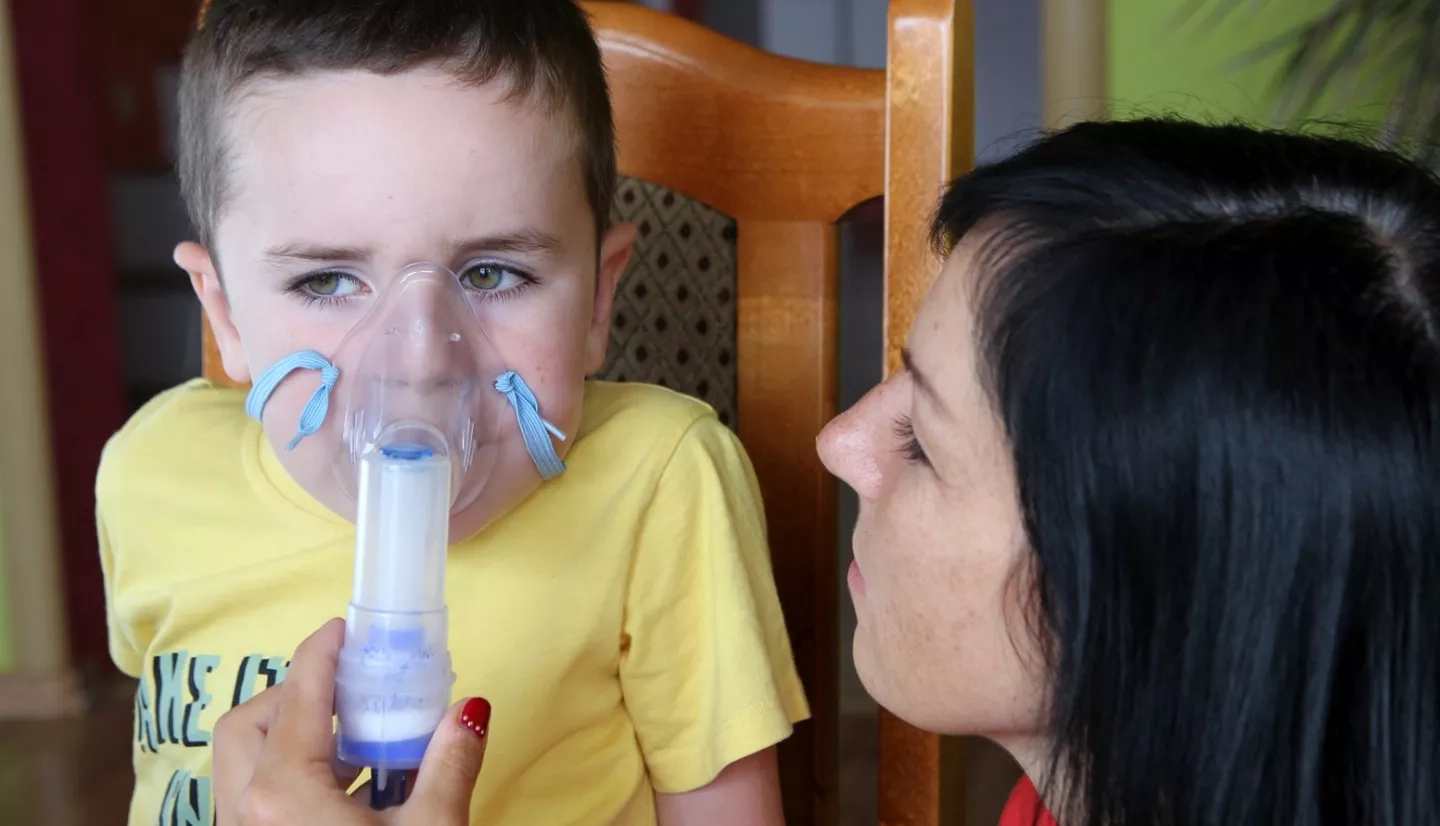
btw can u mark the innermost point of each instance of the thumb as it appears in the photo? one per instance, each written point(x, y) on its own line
point(446, 780)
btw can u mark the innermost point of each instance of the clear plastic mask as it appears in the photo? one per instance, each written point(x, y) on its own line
point(416, 372)
point(421, 375)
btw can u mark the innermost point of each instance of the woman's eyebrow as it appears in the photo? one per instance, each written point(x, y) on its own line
point(922, 382)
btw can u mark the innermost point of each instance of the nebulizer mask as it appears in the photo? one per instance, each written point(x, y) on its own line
point(413, 408)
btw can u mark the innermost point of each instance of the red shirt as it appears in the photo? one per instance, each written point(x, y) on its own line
point(1025, 808)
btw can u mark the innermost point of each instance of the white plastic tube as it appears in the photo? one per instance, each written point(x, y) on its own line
point(393, 681)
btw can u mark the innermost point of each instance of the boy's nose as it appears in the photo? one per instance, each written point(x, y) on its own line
point(431, 341)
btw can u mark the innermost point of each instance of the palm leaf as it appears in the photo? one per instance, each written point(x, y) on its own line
point(1349, 49)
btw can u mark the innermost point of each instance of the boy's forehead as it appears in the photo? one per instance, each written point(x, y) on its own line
point(367, 149)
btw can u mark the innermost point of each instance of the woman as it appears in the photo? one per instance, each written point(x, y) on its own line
point(1156, 503)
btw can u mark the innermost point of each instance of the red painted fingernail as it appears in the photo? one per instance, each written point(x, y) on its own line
point(475, 716)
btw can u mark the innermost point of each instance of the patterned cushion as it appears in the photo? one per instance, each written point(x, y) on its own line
point(674, 319)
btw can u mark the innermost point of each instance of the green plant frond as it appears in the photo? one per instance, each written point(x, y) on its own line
point(1393, 49)
point(1348, 50)
point(1217, 11)
point(1345, 61)
point(1406, 118)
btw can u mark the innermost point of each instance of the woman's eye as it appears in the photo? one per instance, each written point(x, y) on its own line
point(910, 446)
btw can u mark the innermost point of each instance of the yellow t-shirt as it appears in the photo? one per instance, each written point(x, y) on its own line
point(623, 620)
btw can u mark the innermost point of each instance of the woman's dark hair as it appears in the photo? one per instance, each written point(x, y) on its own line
point(1216, 354)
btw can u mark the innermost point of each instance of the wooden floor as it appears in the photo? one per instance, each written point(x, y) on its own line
point(77, 772)
point(68, 772)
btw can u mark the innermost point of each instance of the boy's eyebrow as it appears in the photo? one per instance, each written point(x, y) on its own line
point(309, 252)
point(522, 241)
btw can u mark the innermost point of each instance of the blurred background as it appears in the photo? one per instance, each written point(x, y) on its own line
point(95, 319)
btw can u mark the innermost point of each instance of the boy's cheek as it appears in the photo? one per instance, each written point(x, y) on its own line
point(273, 330)
point(263, 330)
point(561, 402)
point(569, 409)
point(554, 367)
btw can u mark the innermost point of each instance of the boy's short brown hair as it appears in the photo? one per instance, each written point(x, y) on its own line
point(544, 49)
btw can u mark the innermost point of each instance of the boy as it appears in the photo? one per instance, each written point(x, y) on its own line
point(621, 615)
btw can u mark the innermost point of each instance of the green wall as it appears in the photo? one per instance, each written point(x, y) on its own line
point(1159, 64)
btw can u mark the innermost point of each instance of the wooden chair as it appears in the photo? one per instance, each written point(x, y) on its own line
point(930, 131)
point(736, 167)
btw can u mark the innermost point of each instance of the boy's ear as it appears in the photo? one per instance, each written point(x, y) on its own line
point(205, 279)
point(615, 250)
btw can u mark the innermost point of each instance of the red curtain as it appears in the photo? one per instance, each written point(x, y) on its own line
point(61, 113)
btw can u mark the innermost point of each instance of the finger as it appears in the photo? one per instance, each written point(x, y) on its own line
point(452, 764)
point(345, 774)
point(239, 739)
point(303, 730)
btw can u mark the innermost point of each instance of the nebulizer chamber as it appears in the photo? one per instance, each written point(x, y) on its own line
point(417, 445)
point(394, 677)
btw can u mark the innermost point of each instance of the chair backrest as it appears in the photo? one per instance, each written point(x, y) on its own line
point(770, 153)
point(782, 149)
point(736, 166)
point(930, 139)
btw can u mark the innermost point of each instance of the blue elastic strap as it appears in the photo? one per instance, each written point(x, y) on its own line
point(313, 416)
point(533, 428)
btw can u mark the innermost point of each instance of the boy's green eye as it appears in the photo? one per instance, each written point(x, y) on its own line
point(326, 283)
point(493, 280)
point(483, 276)
point(325, 286)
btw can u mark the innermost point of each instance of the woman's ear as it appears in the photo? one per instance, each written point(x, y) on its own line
point(205, 279)
point(615, 250)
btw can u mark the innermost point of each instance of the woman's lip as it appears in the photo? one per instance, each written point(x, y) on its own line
point(856, 579)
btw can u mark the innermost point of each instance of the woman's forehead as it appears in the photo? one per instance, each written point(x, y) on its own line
point(944, 325)
point(941, 347)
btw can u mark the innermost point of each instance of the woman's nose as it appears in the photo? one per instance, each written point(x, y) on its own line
point(850, 449)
